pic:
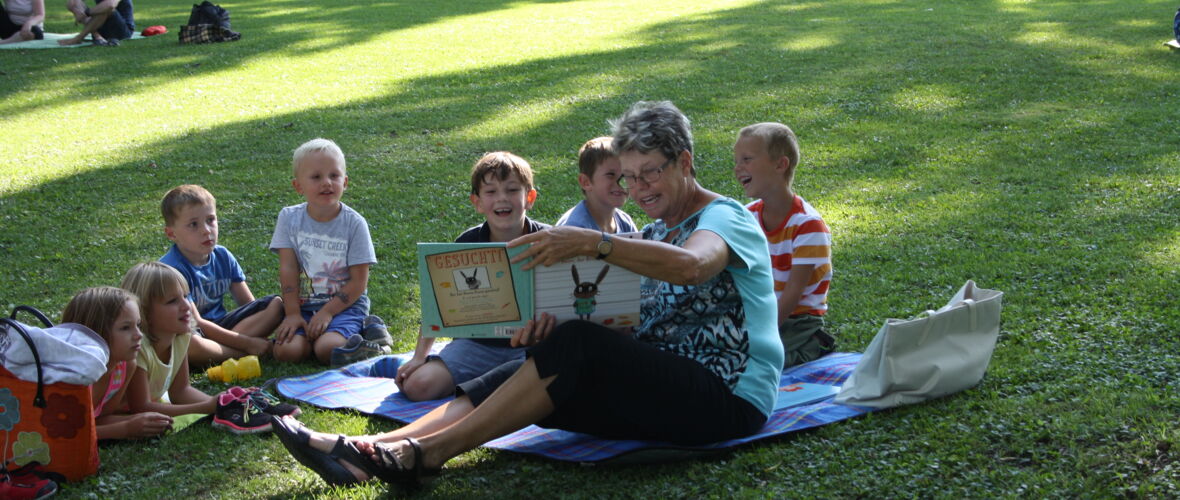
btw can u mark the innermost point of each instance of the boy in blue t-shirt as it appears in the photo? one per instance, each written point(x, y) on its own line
point(598, 176)
point(190, 221)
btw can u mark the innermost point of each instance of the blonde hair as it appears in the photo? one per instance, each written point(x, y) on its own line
point(150, 281)
point(500, 165)
point(317, 145)
point(779, 141)
point(182, 196)
point(97, 308)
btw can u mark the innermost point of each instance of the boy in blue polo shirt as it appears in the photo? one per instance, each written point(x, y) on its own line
point(190, 221)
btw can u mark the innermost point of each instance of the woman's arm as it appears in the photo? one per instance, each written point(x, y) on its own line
point(703, 255)
point(36, 18)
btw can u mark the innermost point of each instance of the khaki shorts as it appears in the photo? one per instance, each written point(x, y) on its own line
point(804, 339)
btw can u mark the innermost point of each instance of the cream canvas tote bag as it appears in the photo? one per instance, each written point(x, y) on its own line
point(938, 353)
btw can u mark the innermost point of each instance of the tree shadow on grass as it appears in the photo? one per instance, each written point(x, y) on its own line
point(273, 28)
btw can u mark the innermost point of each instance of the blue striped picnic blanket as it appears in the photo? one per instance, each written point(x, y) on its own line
point(368, 387)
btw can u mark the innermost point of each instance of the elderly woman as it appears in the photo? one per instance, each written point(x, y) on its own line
point(703, 365)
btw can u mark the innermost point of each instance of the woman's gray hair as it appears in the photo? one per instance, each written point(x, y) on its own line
point(317, 145)
point(650, 126)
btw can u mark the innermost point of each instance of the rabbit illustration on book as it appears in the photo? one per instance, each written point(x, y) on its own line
point(473, 280)
point(584, 292)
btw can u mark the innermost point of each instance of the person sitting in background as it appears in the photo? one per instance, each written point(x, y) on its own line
point(21, 21)
point(107, 22)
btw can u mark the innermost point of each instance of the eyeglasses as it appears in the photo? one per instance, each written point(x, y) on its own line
point(647, 176)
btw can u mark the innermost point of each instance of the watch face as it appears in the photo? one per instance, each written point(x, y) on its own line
point(604, 247)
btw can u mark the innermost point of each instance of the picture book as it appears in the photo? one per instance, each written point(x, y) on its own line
point(803, 393)
point(472, 290)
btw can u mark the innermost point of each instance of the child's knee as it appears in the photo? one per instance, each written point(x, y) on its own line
point(275, 307)
point(325, 344)
point(293, 351)
point(428, 382)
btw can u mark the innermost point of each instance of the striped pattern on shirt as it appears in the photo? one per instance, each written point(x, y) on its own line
point(801, 239)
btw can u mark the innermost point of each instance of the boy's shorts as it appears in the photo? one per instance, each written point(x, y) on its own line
point(466, 359)
point(231, 319)
point(804, 339)
point(348, 323)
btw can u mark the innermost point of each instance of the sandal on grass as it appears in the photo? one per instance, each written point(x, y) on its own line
point(392, 470)
point(296, 438)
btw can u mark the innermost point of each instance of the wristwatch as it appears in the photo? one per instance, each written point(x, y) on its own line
point(605, 246)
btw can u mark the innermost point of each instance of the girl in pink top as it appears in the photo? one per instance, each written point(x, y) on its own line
point(113, 313)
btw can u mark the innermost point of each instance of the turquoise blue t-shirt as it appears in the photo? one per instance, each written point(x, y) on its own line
point(728, 324)
point(207, 284)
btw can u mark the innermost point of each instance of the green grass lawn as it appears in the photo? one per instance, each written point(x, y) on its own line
point(1029, 145)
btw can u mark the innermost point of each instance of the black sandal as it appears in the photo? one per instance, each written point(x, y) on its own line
point(296, 438)
point(392, 471)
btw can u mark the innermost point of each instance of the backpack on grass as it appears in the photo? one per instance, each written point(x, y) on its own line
point(208, 23)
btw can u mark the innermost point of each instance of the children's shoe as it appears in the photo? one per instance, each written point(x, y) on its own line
point(375, 331)
point(356, 349)
point(266, 402)
point(239, 415)
point(26, 488)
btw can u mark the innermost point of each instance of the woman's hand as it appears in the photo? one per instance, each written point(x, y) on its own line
point(534, 331)
point(555, 244)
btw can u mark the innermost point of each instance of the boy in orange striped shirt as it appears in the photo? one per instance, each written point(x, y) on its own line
point(765, 157)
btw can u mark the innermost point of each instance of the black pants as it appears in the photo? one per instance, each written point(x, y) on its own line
point(610, 385)
point(8, 27)
point(120, 25)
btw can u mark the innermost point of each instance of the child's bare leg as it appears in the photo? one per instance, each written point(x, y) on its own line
point(296, 349)
point(203, 352)
point(432, 380)
point(264, 322)
point(323, 346)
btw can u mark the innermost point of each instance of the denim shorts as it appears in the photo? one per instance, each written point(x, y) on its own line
point(348, 323)
point(467, 359)
point(231, 319)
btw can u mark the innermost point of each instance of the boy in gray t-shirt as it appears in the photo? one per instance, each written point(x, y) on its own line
point(324, 256)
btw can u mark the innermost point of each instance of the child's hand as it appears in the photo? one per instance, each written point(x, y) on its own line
point(147, 424)
point(534, 331)
point(318, 324)
point(404, 371)
point(286, 330)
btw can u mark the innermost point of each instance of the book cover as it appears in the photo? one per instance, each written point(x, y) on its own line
point(471, 290)
point(803, 393)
